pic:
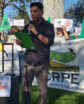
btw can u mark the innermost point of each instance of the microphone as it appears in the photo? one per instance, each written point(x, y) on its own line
point(33, 23)
point(29, 32)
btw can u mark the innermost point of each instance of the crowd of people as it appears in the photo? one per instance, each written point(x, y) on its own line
point(36, 62)
point(63, 35)
point(60, 35)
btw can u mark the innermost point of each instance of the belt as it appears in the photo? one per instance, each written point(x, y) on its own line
point(37, 63)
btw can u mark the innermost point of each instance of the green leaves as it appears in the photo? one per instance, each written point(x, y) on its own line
point(76, 12)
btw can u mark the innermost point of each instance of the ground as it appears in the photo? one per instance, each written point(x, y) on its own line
point(56, 96)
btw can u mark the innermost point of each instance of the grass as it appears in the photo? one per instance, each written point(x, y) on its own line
point(56, 96)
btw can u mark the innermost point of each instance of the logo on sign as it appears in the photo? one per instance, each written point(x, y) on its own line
point(1, 86)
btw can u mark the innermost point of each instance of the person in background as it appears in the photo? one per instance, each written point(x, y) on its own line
point(62, 34)
point(36, 62)
point(11, 36)
point(76, 36)
point(2, 36)
point(70, 36)
point(20, 50)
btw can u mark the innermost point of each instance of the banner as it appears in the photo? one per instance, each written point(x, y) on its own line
point(5, 85)
point(67, 65)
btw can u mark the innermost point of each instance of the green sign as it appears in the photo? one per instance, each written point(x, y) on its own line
point(26, 40)
point(5, 25)
point(49, 19)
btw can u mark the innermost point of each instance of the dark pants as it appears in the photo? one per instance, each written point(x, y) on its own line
point(41, 73)
point(21, 63)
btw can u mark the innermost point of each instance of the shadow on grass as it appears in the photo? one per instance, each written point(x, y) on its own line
point(80, 99)
point(57, 96)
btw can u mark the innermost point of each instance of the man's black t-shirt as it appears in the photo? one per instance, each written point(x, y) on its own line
point(41, 55)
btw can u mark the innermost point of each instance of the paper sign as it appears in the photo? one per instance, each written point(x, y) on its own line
point(19, 22)
point(77, 30)
point(5, 85)
point(63, 22)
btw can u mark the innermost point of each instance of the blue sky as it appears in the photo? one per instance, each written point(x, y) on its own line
point(67, 4)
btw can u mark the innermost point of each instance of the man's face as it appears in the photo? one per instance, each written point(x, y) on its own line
point(36, 13)
point(14, 29)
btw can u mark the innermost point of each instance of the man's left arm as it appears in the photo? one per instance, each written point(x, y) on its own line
point(43, 39)
point(48, 39)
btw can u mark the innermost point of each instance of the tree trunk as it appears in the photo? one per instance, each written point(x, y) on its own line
point(53, 9)
point(1, 9)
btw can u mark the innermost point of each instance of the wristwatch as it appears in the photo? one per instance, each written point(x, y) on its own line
point(37, 34)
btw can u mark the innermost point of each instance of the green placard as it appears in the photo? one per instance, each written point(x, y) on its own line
point(82, 30)
point(73, 37)
point(5, 25)
point(49, 19)
point(26, 40)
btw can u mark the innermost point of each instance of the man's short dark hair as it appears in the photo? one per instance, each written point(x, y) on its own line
point(38, 4)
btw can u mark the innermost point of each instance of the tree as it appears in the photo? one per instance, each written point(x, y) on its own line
point(22, 7)
point(76, 12)
point(1, 9)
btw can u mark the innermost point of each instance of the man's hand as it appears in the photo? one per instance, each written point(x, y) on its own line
point(42, 38)
point(19, 42)
point(32, 28)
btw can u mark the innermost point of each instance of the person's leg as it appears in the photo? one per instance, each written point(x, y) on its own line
point(27, 78)
point(21, 63)
point(42, 78)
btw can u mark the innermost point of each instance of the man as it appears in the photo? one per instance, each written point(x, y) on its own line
point(36, 62)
